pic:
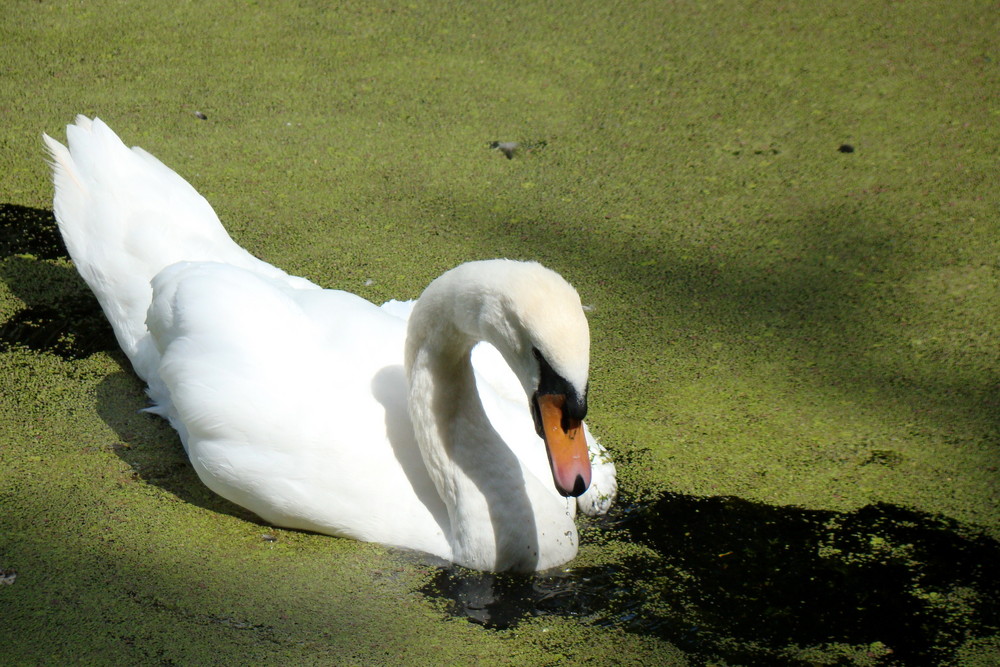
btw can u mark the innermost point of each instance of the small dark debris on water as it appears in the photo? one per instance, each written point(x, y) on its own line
point(846, 148)
point(510, 148)
point(506, 147)
point(198, 114)
point(7, 577)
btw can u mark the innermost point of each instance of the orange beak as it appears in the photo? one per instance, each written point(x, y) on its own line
point(566, 445)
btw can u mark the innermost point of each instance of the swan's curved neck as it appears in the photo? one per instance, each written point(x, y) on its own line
point(494, 506)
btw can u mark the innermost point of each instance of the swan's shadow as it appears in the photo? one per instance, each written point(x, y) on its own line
point(60, 315)
point(33, 231)
point(152, 448)
point(754, 584)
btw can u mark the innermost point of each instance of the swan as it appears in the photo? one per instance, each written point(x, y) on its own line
point(452, 425)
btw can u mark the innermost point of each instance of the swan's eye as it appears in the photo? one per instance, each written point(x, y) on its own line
point(550, 382)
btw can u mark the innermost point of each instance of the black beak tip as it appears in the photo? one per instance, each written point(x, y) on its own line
point(579, 487)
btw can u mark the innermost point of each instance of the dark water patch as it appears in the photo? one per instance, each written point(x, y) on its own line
point(752, 584)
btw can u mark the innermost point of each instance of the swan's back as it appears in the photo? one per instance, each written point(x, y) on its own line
point(284, 399)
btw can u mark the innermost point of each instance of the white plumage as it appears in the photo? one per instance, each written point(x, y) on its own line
point(318, 410)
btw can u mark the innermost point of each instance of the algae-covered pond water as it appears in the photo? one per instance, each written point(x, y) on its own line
point(795, 357)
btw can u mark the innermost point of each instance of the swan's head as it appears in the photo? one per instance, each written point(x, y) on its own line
point(554, 356)
point(535, 319)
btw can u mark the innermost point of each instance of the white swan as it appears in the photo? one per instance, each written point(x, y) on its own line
point(318, 410)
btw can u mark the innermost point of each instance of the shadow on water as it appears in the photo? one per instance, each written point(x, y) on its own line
point(752, 584)
point(60, 315)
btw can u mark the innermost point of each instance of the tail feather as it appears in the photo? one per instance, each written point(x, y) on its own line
point(124, 217)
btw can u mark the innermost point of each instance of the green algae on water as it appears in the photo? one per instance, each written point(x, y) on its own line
point(773, 320)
